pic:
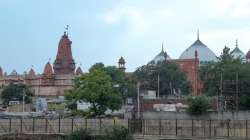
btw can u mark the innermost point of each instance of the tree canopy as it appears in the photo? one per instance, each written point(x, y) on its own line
point(171, 78)
point(15, 92)
point(96, 88)
point(122, 83)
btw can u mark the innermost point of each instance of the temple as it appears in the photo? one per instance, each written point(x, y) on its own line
point(55, 78)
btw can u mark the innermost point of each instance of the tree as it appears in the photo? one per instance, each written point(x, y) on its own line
point(172, 79)
point(96, 88)
point(198, 105)
point(15, 92)
point(96, 66)
point(122, 83)
point(226, 69)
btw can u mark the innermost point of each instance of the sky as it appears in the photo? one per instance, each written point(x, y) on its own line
point(105, 30)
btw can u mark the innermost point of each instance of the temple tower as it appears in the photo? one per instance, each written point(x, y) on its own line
point(64, 63)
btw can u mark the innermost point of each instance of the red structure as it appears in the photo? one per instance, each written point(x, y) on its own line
point(64, 63)
point(191, 69)
point(48, 75)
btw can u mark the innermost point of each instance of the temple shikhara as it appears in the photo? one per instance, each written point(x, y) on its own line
point(58, 77)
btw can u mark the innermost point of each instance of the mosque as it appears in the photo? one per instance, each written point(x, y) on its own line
point(58, 77)
point(193, 57)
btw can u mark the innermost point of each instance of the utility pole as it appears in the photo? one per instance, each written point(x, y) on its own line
point(237, 91)
point(138, 100)
point(23, 100)
point(219, 102)
point(158, 82)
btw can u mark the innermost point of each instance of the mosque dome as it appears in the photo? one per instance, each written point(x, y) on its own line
point(237, 53)
point(205, 55)
point(162, 56)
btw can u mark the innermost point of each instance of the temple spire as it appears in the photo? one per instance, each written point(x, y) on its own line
point(64, 63)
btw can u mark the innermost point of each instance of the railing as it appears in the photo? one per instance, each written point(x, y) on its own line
point(59, 125)
point(178, 128)
point(192, 128)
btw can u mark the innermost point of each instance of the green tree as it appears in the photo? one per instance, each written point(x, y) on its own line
point(96, 88)
point(15, 92)
point(226, 69)
point(171, 77)
point(198, 105)
point(122, 83)
point(96, 66)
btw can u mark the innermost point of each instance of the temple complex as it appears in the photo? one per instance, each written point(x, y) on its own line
point(55, 78)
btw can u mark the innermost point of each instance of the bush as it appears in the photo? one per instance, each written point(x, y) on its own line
point(118, 133)
point(81, 134)
point(245, 102)
point(198, 105)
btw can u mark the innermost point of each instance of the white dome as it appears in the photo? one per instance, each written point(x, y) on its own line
point(162, 56)
point(205, 55)
point(237, 53)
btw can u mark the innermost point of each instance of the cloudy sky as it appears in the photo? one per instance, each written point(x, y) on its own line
point(104, 30)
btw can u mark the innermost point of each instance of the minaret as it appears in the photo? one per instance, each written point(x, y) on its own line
point(196, 70)
point(121, 64)
point(162, 47)
point(236, 43)
point(64, 63)
point(198, 34)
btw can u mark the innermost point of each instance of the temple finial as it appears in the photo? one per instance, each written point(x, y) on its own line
point(198, 35)
point(66, 30)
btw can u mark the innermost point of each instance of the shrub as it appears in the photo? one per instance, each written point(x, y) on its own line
point(81, 134)
point(245, 102)
point(198, 105)
point(118, 133)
